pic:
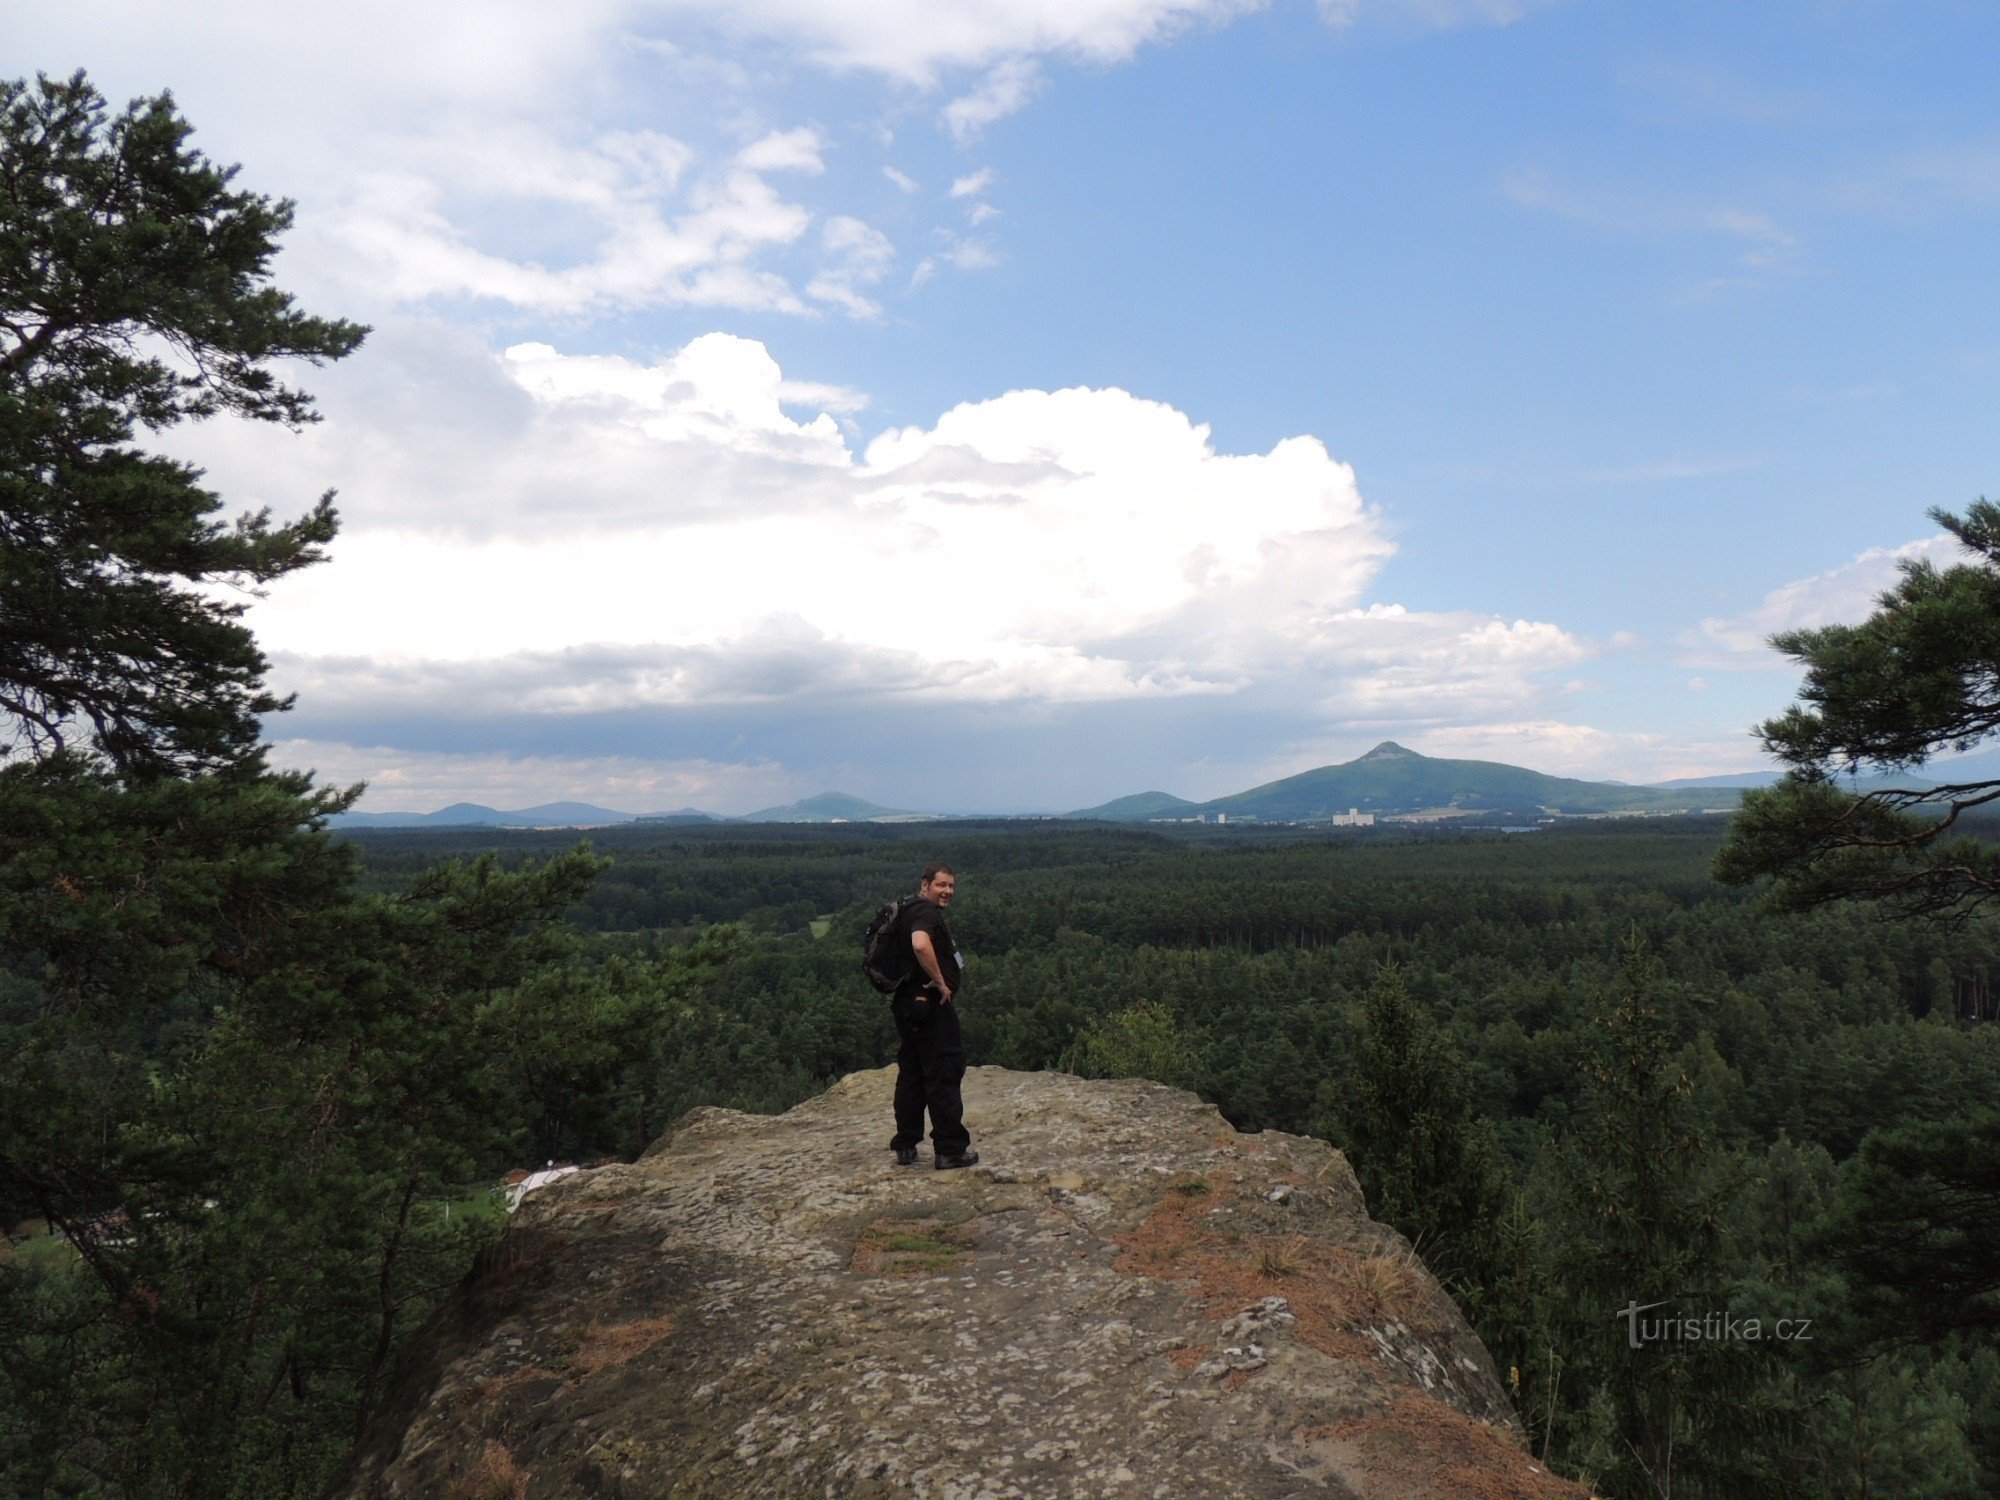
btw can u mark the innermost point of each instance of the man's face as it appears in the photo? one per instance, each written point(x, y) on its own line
point(939, 888)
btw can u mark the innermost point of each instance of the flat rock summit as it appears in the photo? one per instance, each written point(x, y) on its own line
point(1125, 1298)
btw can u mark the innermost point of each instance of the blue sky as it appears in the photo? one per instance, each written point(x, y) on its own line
point(1011, 406)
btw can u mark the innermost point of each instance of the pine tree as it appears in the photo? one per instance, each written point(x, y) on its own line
point(1404, 1115)
point(134, 294)
point(1637, 1228)
point(1915, 680)
point(1914, 1225)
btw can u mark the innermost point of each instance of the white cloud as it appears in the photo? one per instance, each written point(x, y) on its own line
point(973, 255)
point(784, 151)
point(395, 235)
point(918, 40)
point(972, 184)
point(444, 153)
point(857, 255)
point(1005, 90)
point(719, 392)
point(610, 534)
point(1841, 596)
point(822, 396)
point(1558, 748)
point(903, 180)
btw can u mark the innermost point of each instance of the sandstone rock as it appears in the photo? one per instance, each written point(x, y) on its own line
point(1116, 1302)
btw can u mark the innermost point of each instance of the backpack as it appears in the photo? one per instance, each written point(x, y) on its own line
point(885, 959)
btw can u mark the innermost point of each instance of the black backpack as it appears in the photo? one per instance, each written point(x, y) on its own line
point(885, 958)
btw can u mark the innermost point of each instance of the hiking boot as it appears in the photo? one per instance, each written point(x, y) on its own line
point(906, 1156)
point(966, 1158)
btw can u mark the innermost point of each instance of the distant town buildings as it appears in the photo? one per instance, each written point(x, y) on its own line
point(1354, 818)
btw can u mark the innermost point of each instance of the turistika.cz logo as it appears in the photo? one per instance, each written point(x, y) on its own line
point(1707, 1328)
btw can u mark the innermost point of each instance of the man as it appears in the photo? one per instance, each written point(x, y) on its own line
point(930, 1063)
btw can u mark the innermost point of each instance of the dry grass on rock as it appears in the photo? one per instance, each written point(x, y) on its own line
point(496, 1476)
point(1420, 1449)
point(606, 1346)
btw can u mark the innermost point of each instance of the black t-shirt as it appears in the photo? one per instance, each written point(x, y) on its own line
point(924, 916)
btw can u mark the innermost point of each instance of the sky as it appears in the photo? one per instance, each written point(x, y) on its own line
point(1006, 405)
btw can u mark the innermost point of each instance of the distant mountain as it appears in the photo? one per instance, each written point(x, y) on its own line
point(378, 820)
point(1866, 779)
point(1738, 779)
point(478, 815)
point(569, 815)
point(683, 815)
point(828, 807)
point(1391, 779)
point(832, 807)
point(1138, 807)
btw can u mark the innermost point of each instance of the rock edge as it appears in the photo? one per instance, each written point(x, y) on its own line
point(1126, 1297)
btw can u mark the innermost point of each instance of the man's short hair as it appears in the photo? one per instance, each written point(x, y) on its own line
point(934, 869)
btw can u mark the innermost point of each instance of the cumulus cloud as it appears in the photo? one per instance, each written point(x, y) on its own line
point(1842, 595)
point(972, 184)
point(622, 535)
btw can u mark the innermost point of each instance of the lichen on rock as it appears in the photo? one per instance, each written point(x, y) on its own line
point(1126, 1297)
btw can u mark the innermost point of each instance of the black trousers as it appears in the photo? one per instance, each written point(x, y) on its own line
point(930, 1065)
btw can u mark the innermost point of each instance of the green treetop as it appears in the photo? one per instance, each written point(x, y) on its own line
point(1918, 678)
point(134, 292)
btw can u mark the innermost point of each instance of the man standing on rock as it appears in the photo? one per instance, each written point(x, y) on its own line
point(930, 1063)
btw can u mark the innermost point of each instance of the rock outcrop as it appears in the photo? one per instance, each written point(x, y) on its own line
point(1126, 1297)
